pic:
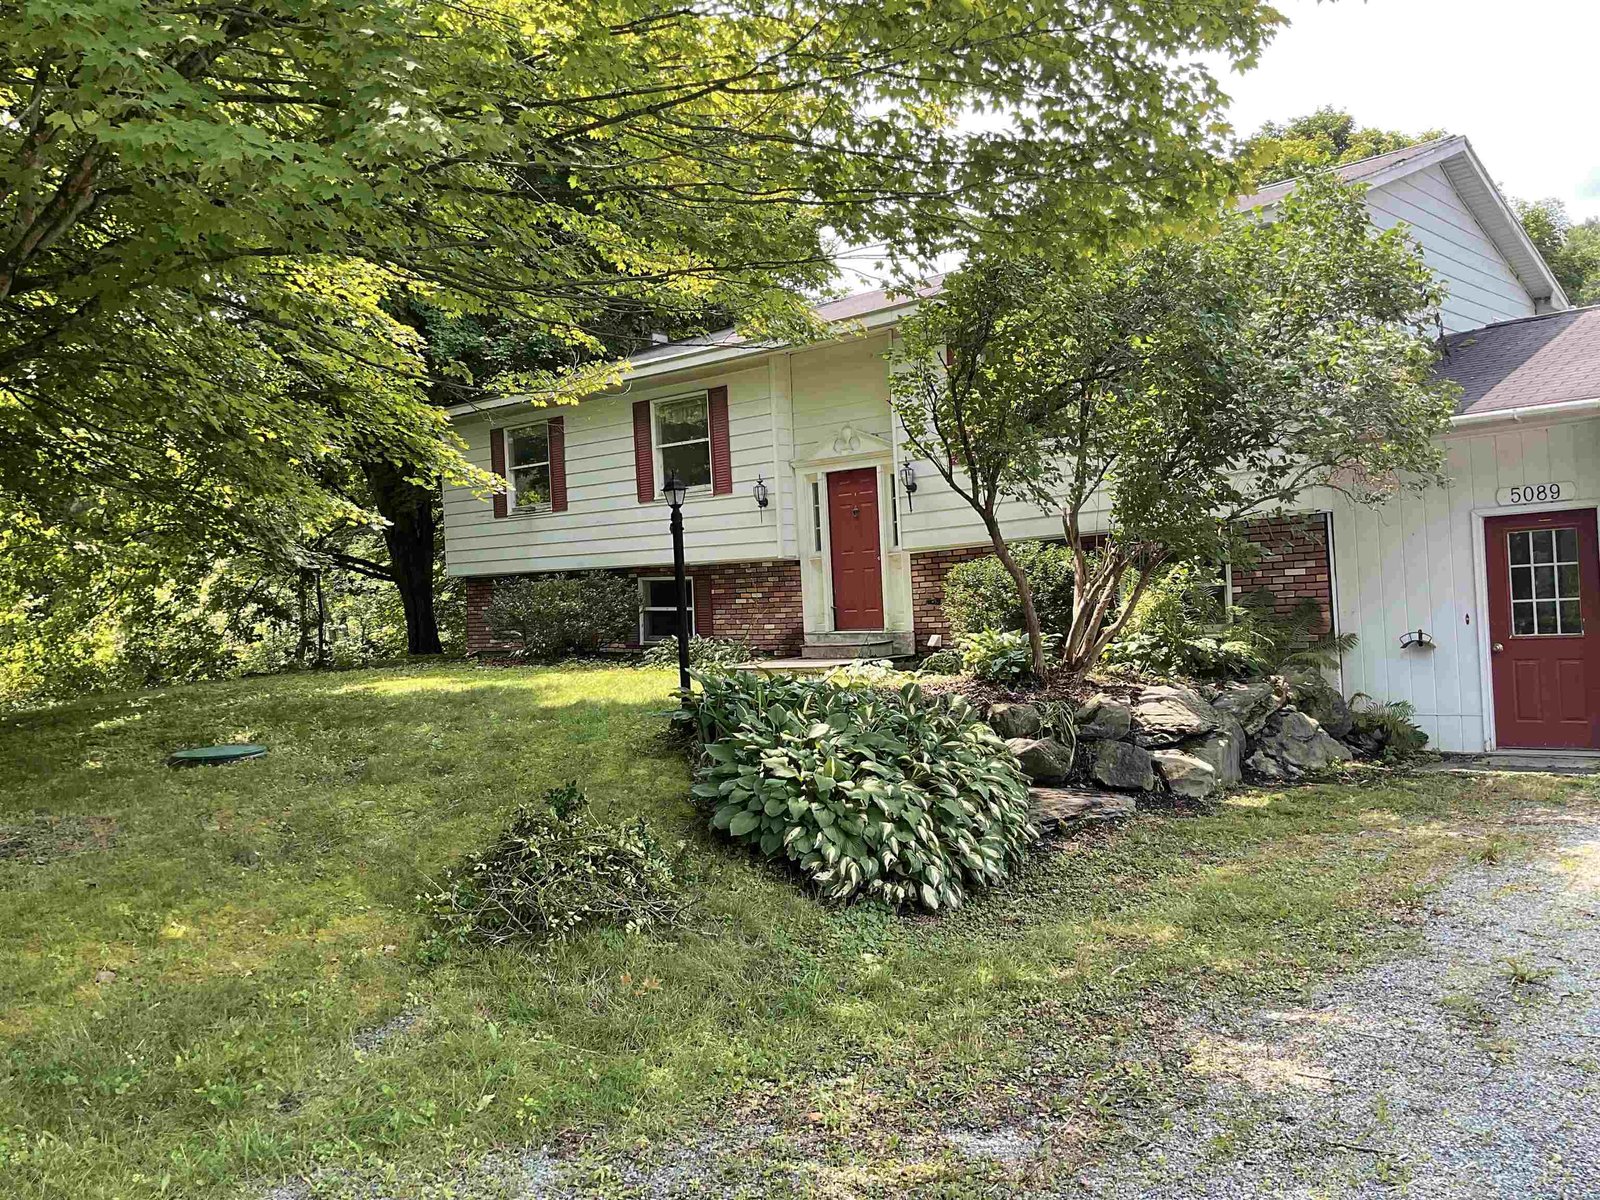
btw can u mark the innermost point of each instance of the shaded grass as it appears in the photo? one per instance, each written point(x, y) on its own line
point(181, 989)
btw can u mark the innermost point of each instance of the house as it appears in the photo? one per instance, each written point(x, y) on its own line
point(1479, 602)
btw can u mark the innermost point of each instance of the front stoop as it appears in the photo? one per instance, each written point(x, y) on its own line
point(1064, 809)
point(853, 644)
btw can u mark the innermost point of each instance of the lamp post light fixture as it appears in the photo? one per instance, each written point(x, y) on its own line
point(674, 490)
point(759, 491)
point(908, 481)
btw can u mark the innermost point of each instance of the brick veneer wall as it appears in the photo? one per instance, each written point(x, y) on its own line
point(756, 602)
point(928, 570)
point(1294, 564)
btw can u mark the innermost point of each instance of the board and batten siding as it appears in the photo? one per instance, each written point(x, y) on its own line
point(1413, 563)
point(1483, 287)
point(605, 525)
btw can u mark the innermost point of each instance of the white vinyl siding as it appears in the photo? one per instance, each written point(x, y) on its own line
point(605, 525)
point(1412, 564)
point(1483, 287)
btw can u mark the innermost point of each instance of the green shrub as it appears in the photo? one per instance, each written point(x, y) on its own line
point(942, 662)
point(980, 594)
point(704, 653)
point(998, 655)
point(1180, 626)
point(1385, 730)
point(872, 794)
point(556, 871)
point(556, 615)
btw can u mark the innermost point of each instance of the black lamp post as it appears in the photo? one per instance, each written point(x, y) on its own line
point(674, 491)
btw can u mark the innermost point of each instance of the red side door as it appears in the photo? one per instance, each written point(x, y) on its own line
point(857, 560)
point(1544, 629)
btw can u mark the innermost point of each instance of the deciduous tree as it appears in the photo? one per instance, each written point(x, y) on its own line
point(1157, 396)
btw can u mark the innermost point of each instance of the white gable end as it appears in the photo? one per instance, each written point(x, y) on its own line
point(1483, 287)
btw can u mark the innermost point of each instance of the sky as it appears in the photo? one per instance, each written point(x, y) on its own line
point(1517, 78)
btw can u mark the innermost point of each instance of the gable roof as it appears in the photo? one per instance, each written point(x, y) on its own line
point(1534, 362)
point(1462, 167)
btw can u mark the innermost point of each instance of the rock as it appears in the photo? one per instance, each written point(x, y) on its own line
point(1329, 709)
point(1015, 720)
point(1165, 716)
point(1295, 743)
point(1186, 775)
point(1103, 719)
point(1263, 766)
point(1055, 808)
point(1043, 760)
point(1249, 703)
point(1223, 748)
point(1123, 765)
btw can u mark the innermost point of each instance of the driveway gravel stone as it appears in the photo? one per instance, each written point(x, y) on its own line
point(1471, 1069)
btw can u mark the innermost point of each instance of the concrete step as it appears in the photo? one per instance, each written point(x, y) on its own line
point(1064, 809)
point(877, 648)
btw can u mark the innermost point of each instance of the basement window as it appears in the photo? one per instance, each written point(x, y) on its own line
point(658, 609)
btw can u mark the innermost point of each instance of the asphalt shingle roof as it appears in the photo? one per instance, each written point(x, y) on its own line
point(1351, 172)
point(1531, 361)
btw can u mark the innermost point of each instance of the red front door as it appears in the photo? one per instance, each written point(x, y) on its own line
point(857, 564)
point(1544, 629)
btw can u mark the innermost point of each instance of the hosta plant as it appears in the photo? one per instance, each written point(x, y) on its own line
point(873, 794)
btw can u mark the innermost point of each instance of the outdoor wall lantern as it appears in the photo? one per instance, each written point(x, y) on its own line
point(760, 492)
point(674, 490)
point(908, 480)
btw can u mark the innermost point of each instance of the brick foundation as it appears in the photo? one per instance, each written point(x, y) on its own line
point(757, 603)
point(928, 570)
point(1294, 564)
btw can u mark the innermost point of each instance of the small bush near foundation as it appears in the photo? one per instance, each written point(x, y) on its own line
point(873, 794)
point(942, 662)
point(980, 594)
point(554, 872)
point(704, 653)
point(1385, 731)
point(557, 615)
point(996, 655)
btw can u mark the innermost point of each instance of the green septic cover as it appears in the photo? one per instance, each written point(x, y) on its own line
point(211, 756)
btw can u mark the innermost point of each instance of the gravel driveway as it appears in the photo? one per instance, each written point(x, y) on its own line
point(1469, 1070)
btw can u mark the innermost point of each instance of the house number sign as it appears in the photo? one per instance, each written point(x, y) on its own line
point(1536, 493)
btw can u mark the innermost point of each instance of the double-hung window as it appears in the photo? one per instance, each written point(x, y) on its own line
point(528, 452)
point(683, 440)
point(658, 608)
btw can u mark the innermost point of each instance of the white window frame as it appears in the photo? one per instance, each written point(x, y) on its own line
point(657, 446)
point(509, 433)
point(646, 607)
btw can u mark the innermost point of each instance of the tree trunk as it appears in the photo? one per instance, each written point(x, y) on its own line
point(1030, 612)
point(409, 536)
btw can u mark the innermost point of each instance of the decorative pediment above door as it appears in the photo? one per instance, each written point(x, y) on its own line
point(847, 443)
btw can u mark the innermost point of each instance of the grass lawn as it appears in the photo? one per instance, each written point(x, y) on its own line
point(191, 961)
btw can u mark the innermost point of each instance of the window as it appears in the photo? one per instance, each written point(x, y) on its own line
point(816, 515)
point(1545, 593)
point(683, 440)
point(528, 454)
point(894, 509)
point(658, 609)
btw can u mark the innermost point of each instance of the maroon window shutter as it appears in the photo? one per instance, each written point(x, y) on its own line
point(644, 459)
point(721, 457)
point(558, 464)
point(497, 464)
